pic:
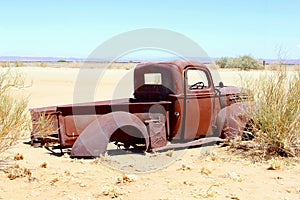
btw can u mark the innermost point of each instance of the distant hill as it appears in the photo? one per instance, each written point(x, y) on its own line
point(72, 59)
point(41, 59)
point(288, 62)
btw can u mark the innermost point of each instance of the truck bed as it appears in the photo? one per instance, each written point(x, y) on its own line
point(68, 121)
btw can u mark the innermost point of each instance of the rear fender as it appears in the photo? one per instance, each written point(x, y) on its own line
point(232, 120)
point(93, 141)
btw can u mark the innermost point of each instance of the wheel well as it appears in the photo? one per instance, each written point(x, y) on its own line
point(128, 135)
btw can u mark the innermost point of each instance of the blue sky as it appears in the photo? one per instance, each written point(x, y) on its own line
point(66, 28)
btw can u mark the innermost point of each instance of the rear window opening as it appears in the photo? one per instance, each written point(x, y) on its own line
point(153, 79)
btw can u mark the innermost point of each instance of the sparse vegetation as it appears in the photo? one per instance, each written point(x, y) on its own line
point(5, 64)
point(43, 64)
point(62, 60)
point(242, 62)
point(18, 64)
point(13, 112)
point(276, 122)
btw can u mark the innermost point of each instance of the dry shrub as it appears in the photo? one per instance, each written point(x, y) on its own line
point(276, 123)
point(126, 178)
point(44, 125)
point(185, 167)
point(13, 109)
point(113, 192)
point(43, 165)
point(16, 171)
point(5, 64)
point(18, 156)
point(205, 170)
point(243, 62)
point(18, 64)
point(208, 193)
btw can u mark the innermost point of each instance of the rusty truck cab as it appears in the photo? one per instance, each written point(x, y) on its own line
point(189, 86)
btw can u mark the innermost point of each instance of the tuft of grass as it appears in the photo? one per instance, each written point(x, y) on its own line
point(276, 118)
point(14, 120)
point(44, 125)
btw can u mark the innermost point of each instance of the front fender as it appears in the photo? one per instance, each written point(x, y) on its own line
point(93, 141)
point(232, 120)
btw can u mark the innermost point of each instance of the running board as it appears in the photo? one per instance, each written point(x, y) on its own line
point(198, 142)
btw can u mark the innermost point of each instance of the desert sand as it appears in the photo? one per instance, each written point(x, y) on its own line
point(211, 172)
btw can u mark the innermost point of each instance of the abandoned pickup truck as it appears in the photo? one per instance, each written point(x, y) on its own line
point(174, 104)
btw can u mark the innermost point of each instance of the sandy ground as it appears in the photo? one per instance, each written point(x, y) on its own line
point(211, 172)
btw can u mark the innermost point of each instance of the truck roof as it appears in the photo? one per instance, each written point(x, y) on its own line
point(181, 64)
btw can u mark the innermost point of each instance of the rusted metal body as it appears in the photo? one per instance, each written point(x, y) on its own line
point(88, 144)
point(173, 101)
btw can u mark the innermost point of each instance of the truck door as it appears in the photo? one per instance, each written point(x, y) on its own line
point(199, 103)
